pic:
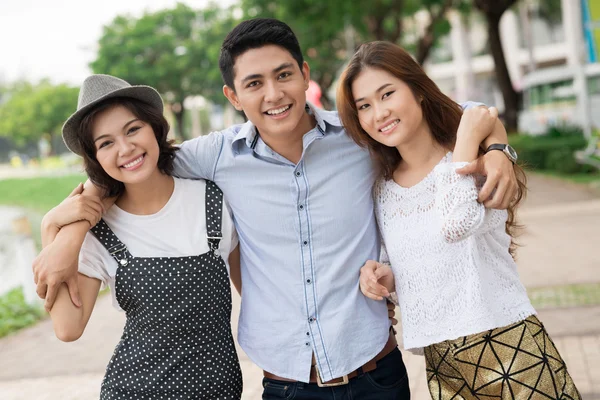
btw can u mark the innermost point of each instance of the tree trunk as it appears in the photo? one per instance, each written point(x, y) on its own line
point(509, 94)
point(424, 46)
point(324, 82)
point(426, 41)
point(179, 129)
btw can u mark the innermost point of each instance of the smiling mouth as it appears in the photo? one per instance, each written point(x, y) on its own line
point(389, 127)
point(278, 111)
point(135, 162)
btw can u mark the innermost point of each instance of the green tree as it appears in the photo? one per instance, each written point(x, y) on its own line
point(550, 11)
point(493, 11)
point(174, 50)
point(330, 31)
point(30, 111)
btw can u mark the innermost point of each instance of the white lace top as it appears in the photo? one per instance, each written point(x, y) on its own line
point(454, 274)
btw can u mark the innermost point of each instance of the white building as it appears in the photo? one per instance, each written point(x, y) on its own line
point(464, 69)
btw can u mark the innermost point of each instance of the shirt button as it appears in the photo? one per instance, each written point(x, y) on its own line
point(308, 281)
point(307, 333)
point(312, 319)
point(305, 242)
point(301, 207)
point(308, 344)
point(298, 173)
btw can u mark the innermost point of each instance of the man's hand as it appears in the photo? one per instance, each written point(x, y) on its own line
point(376, 280)
point(56, 263)
point(500, 175)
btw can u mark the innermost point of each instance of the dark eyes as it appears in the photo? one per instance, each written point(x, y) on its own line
point(133, 129)
point(104, 144)
point(130, 131)
point(283, 75)
point(385, 96)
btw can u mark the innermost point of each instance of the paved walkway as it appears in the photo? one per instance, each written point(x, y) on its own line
point(559, 246)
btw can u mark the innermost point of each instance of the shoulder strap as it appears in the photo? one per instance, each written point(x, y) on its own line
point(214, 212)
point(111, 242)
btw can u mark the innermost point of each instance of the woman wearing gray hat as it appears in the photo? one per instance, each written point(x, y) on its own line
point(161, 249)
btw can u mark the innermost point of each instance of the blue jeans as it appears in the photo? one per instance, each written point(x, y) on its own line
point(388, 381)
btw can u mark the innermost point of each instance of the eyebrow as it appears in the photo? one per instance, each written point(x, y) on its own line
point(377, 91)
point(275, 70)
point(124, 127)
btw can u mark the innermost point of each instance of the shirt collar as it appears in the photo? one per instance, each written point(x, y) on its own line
point(249, 135)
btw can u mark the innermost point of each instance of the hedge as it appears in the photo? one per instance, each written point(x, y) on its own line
point(550, 153)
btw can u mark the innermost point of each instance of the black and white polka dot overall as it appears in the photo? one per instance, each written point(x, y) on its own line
point(177, 341)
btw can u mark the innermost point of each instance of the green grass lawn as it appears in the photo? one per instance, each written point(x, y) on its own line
point(38, 194)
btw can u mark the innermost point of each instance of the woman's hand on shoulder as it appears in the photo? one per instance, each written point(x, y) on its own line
point(477, 123)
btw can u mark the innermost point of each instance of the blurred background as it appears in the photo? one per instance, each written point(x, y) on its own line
point(536, 60)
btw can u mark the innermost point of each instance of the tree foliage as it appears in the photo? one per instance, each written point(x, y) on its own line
point(174, 50)
point(29, 111)
point(550, 11)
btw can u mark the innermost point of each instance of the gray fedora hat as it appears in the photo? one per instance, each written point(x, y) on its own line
point(97, 88)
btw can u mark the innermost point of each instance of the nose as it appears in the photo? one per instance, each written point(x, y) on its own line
point(125, 146)
point(381, 112)
point(273, 92)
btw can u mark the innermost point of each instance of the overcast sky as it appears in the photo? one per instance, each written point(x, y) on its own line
point(57, 38)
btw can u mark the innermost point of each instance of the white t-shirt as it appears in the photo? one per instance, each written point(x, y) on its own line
point(177, 230)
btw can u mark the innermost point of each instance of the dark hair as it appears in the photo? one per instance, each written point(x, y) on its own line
point(252, 34)
point(441, 113)
point(145, 113)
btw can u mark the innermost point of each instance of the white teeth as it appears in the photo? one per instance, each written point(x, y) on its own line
point(278, 111)
point(390, 126)
point(134, 162)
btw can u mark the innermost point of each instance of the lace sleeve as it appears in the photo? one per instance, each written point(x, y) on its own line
point(456, 202)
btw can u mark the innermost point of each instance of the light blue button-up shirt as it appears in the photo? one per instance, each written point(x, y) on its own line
point(305, 230)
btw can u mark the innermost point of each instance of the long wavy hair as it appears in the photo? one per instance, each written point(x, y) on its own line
point(441, 113)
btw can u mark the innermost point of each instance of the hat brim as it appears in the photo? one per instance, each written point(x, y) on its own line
point(70, 128)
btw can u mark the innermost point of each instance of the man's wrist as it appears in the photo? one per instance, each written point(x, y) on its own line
point(507, 149)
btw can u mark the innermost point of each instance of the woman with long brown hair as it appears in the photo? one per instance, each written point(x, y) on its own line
point(452, 264)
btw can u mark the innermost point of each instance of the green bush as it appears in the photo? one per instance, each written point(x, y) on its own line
point(15, 313)
point(550, 153)
point(563, 130)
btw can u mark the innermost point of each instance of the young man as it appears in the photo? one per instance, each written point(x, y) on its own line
point(300, 192)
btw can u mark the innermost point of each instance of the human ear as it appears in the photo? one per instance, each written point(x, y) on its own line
point(232, 97)
point(306, 74)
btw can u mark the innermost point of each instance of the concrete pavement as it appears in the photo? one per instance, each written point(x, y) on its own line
point(559, 247)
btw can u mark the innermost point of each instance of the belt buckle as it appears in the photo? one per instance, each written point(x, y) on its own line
point(320, 383)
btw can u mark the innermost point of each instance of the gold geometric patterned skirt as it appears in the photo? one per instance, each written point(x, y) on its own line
point(518, 361)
